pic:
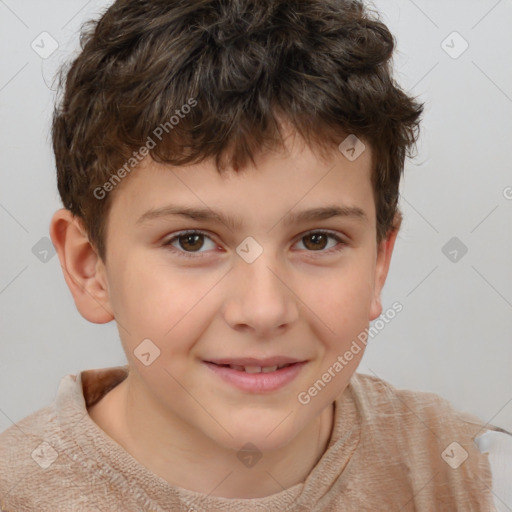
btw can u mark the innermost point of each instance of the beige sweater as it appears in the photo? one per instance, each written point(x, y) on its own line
point(390, 450)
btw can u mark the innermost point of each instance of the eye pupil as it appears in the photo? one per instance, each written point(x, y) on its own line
point(318, 239)
point(192, 238)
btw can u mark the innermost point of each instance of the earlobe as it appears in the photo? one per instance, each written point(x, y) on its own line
point(384, 254)
point(84, 272)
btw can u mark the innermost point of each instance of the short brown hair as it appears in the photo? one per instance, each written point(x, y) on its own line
point(322, 65)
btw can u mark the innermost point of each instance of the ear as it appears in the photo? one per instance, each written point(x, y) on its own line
point(384, 252)
point(83, 269)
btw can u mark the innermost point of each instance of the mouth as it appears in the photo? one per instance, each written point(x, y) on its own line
point(254, 368)
point(257, 376)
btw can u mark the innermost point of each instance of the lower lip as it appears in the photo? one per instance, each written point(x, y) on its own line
point(257, 382)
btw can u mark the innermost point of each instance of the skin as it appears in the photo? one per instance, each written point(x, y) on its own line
point(175, 416)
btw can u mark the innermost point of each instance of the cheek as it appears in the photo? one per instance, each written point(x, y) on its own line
point(143, 289)
point(345, 310)
point(153, 301)
point(341, 306)
point(342, 299)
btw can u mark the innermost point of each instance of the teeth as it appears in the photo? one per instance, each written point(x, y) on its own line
point(256, 369)
point(253, 369)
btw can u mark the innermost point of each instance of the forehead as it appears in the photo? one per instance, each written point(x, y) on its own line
point(278, 185)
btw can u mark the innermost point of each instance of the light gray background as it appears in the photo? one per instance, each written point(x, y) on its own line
point(453, 336)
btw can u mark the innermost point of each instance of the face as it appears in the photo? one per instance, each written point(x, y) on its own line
point(271, 283)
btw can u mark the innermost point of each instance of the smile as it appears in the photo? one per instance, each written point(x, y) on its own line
point(256, 379)
point(256, 369)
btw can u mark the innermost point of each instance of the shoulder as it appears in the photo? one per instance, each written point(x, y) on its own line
point(49, 459)
point(419, 423)
point(25, 452)
point(37, 470)
point(426, 427)
point(384, 399)
point(23, 434)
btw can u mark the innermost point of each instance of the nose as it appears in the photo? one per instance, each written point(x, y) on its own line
point(260, 298)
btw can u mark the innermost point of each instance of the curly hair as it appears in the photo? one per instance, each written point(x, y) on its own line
point(322, 65)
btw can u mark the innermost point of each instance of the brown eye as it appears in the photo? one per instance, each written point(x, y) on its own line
point(191, 242)
point(318, 241)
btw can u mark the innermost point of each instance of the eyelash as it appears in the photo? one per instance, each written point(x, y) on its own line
point(186, 254)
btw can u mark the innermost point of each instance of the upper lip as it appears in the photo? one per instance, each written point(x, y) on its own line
point(252, 361)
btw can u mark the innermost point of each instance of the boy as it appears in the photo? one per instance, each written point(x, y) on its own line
point(230, 174)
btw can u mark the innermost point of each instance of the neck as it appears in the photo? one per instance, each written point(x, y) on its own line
point(188, 459)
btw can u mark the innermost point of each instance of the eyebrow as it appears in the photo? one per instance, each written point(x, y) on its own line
point(206, 214)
